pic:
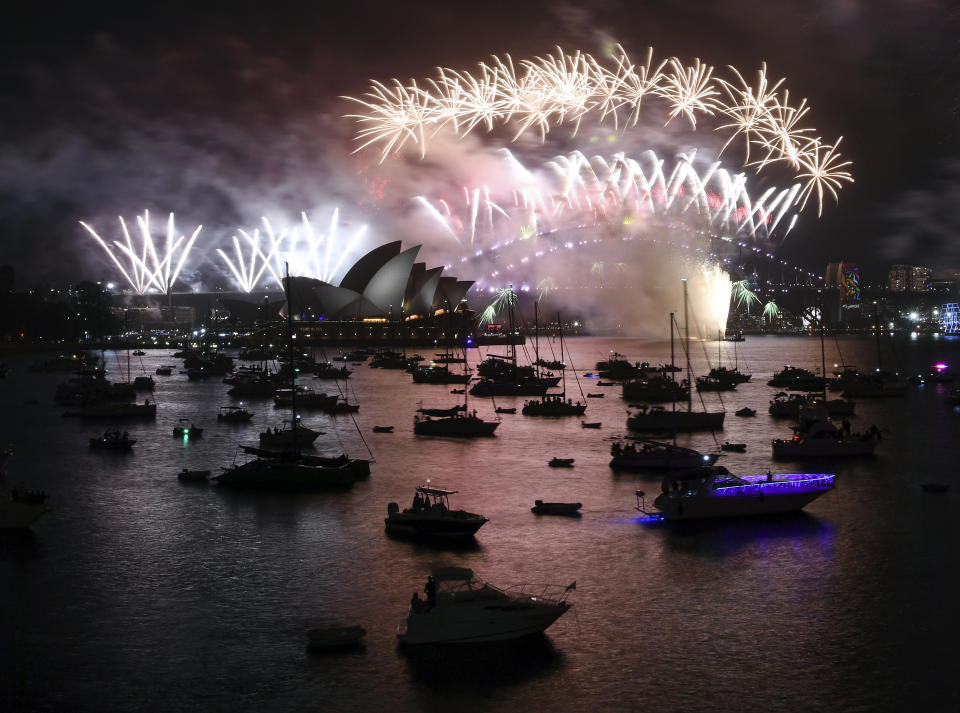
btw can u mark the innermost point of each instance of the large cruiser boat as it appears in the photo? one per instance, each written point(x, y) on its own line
point(821, 438)
point(653, 419)
point(287, 471)
point(712, 491)
point(794, 378)
point(656, 455)
point(463, 609)
point(463, 425)
point(430, 515)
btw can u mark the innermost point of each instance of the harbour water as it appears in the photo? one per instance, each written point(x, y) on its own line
point(137, 592)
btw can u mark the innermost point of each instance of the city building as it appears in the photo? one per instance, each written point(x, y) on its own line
point(909, 278)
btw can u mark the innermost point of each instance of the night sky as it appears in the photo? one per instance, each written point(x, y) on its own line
point(224, 111)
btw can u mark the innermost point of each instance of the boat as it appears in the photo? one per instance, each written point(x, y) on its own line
point(815, 435)
point(287, 471)
point(657, 455)
point(430, 515)
point(940, 374)
point(285, 437)
point(193, 476)
point(453, 410)
point(164, 370)
point(234, 414)
point(595, 396)
point(726, 375)
point(112, 441)
point(458, 391)
point(305, 398)
point(464, 425)
point(143, 383)
point(794, 378)
point(329, 370)
point(383, 429)
point(19, 510)
point(733, 447)
point(460, 423)
point(822, 438)
point(746, 411)
point(712, 491)
point(463, 609)
point(874, 385)
point(555, 404)
point(568, 509)
point(434, 374)
point(655, 389)
point(712, 383)
point(186, 430)
point(504, 409)
point(139, 352)
point(335, 637)
point(561, 462)
point(590, 424)
point(654, 419)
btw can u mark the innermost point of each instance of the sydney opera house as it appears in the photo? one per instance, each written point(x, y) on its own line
point(385, 295)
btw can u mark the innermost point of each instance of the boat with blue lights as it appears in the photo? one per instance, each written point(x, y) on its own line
point(713, 491)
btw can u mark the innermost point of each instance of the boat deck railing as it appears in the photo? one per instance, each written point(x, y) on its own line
point(554, 593)
point(775, 485)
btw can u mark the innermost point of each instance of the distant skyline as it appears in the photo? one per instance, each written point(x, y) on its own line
point(224, 112)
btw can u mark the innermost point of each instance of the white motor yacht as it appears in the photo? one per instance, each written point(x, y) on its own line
point(712, 491)
point(467, 610)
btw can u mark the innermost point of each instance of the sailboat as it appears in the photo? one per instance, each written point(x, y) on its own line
point(657, 418)
point(501, 376)
point(720, 377)
point(554, 404)
point(290, 470)
point(461, 423)
point(816, 435)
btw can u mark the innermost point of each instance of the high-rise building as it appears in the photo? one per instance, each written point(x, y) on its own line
point(920, 279)
point(909, 278)
point(898, 278)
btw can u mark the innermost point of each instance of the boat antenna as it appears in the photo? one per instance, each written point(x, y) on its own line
point(293, 372)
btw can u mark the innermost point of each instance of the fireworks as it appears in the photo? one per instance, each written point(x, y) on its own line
point(308, 252)
point(565, 88)
point(740, 292)
point(505, 297)
point(146, 268)
point(573, 190)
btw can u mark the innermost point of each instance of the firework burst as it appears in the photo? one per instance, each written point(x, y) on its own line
point(563, 89)
point(145, 266)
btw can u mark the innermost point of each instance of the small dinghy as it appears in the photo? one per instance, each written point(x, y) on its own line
point(595, 396)
point(383, 429)
point(335, 637)
point(164, 370)
point(561, 462)
point(595, 424)
point(458, 391)
point(186, 429)
point(746, 411)
point(568, 509)
point(734, 447)
point(193, 476)
point(504, 409)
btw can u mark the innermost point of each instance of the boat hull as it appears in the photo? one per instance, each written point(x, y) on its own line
point(676, 421)
point(455, 426)
point(821, 448)
point(277, 475)
point(423, 525)
point(480, 624)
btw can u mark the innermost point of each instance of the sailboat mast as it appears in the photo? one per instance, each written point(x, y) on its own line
point(563, 372)
point(823, 357)
point(536, 340)
point(686, 330)
point(293, 373)
point(672, 377)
